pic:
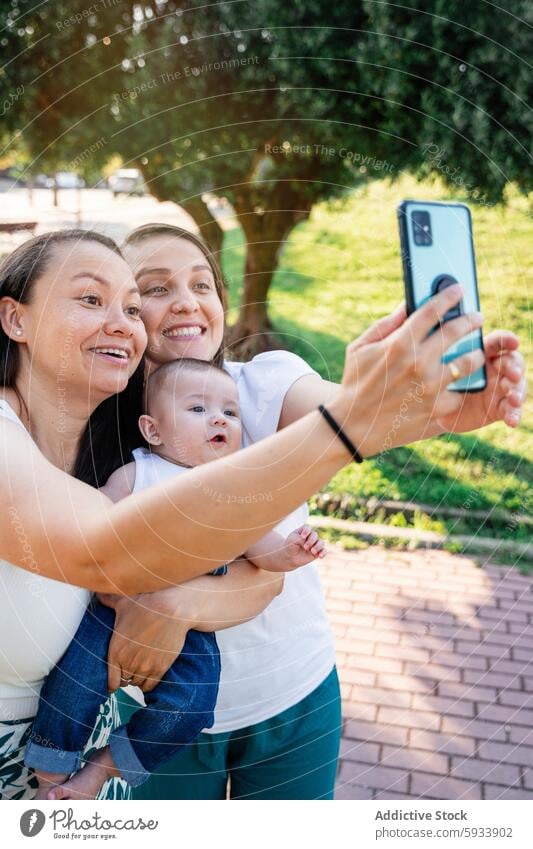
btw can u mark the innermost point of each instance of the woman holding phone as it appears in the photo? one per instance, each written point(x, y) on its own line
point(71, 337)
point(277, 725)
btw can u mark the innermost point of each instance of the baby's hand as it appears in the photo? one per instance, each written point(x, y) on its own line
point(276, 554)
point(303, 546)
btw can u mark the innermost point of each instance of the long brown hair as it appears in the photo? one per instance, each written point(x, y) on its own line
point(147, 231)
point(111, 431)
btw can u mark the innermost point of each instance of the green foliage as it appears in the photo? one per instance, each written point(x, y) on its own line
point(453, 547)
point(333, 281)
point(209, 99)
point(423, 522)
point(274, 105)
point(457, 78)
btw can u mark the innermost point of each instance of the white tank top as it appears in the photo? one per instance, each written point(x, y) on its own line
point(38, 620)
point(150, 469)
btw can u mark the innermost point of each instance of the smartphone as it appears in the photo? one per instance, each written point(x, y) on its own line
point(437, 251)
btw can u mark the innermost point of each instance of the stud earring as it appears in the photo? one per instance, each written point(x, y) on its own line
point(18, 333)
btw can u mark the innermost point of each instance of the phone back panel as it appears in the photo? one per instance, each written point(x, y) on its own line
point(436, 240)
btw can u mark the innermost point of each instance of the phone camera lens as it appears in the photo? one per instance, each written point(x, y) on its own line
point(422, 228)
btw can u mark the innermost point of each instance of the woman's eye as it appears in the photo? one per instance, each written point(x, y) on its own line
point(155, 290)
point(93, 300)
point(202, 284)
point(135, 311)
point(198, 409)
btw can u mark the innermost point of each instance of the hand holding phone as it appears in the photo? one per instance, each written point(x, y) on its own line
point(438, 251)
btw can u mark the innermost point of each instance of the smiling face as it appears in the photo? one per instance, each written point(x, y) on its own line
point(182, 311)
point(193, 417)
point(81, 329)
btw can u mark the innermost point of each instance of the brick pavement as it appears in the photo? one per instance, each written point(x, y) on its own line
point(434, 661)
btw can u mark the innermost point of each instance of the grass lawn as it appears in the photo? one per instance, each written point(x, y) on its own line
point(340, 271)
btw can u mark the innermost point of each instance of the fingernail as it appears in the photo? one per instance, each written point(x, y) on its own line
point(477, 317)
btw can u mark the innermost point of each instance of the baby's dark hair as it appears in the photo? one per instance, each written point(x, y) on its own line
point(159, 379)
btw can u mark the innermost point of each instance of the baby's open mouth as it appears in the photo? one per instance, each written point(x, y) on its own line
point(219, 438)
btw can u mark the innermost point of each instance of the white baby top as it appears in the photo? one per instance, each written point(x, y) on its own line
point(274, 661)
point(39, 619)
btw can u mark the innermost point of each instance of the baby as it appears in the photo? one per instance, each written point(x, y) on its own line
point(192, 417)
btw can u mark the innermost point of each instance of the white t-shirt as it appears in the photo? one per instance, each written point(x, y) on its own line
point(38, 620)
point(274, 661)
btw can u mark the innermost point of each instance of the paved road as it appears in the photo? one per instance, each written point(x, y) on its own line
point(90, 208)
point(434, 657)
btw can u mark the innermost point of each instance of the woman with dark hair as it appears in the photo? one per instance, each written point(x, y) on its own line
point(71, 337)
point(277, 723)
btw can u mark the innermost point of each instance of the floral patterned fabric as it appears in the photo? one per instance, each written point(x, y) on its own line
point(18, 781)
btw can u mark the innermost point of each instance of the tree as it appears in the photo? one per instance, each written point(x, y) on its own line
point(276, 107)
point(457, 78)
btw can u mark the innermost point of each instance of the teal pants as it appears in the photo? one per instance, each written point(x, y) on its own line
point(291, 756)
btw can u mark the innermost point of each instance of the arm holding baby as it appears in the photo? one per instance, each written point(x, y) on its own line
point(150, 628)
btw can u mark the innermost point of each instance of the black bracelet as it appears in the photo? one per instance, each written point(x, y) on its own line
point(222, 570)
point(340, 433)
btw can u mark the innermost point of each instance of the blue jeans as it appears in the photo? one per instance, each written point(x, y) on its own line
point(176, 710)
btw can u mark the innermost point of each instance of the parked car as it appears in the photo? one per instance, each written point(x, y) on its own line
point(127, 181)
point(68, 180)
point(42, 181)
point(10, 178)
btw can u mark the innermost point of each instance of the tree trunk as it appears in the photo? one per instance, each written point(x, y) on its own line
point(251, 333)
point(210, 230)
point(266, 232)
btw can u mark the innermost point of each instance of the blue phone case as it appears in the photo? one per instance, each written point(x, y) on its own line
point(438, 250)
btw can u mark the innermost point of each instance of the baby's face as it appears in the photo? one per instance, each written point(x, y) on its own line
point(198, 418)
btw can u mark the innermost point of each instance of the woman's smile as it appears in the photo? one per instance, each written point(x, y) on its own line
point(184, 332)
point(118, 356)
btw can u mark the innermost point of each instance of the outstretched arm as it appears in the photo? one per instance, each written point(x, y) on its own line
point(502, 400)
point(63, 529)
point(59, 527)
